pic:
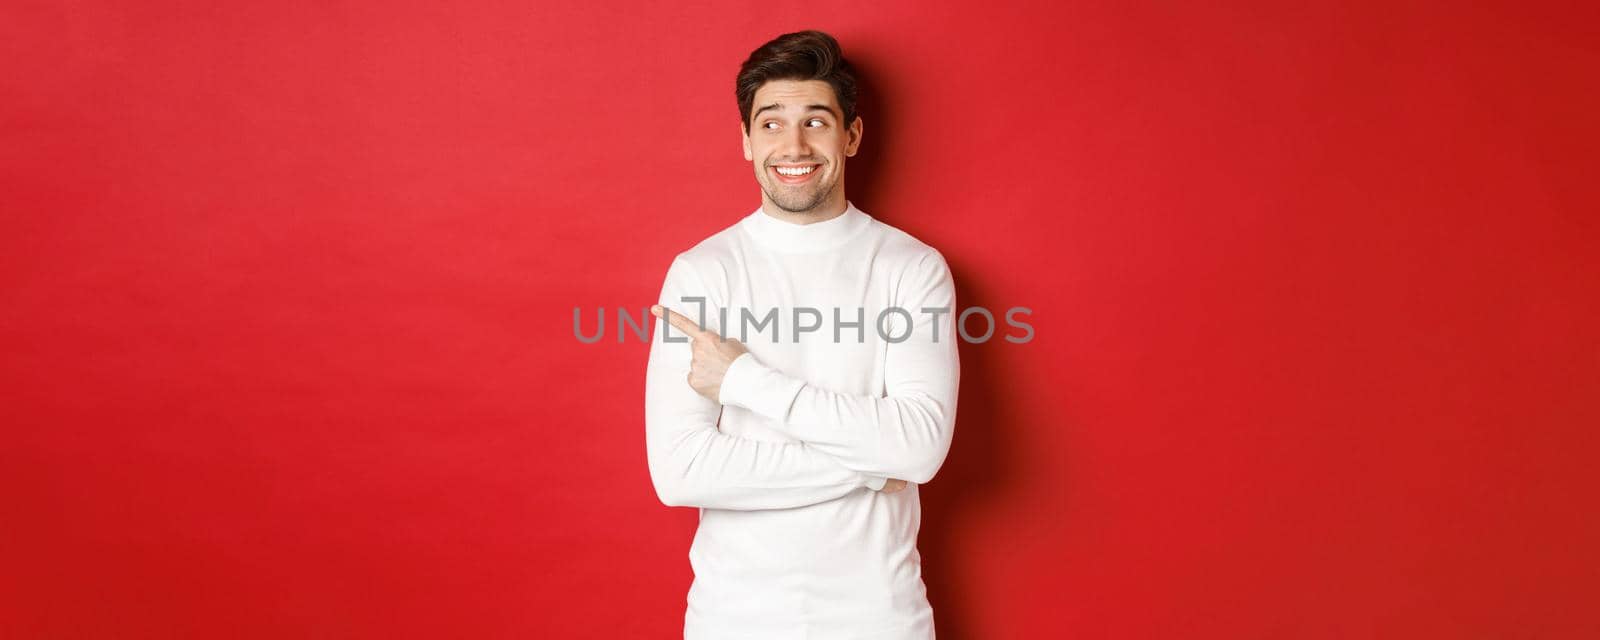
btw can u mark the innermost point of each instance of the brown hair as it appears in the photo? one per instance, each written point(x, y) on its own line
point(802, 55)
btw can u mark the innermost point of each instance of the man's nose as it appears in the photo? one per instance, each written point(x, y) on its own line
point(794, 142)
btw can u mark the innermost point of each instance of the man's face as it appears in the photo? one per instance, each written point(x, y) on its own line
point(795, 129)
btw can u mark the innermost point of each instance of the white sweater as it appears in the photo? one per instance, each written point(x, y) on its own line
point(794, 541)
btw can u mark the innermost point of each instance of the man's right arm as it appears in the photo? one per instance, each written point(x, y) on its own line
point(693, 464)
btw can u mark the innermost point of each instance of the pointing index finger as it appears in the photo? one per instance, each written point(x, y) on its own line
point(687, 326)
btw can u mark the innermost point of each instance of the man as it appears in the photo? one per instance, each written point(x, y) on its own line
point(803, 442)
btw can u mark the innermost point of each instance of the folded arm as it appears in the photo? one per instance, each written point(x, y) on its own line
point(693, 464)
point(905, 433)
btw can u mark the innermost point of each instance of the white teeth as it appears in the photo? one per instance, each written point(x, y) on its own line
point(794, 171)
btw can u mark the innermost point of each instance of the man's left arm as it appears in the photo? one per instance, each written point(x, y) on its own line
point(904, 434)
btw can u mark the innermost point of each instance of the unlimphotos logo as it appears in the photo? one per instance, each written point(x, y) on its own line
point(892, 324)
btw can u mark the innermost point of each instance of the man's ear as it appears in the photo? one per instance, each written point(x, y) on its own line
point(745, 133)
point(855, 138)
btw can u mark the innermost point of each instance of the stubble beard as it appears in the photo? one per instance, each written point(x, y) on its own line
point(796, 201)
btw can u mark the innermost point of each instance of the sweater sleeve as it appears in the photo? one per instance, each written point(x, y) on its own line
point(904, 433)
point(693, 464)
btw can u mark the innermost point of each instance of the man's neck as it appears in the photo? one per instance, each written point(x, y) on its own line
point(823, 212)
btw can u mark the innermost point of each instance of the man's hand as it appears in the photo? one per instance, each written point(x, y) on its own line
point(892, 485)
point(712, 353)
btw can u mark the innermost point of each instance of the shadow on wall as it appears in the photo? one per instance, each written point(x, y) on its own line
point(976, 471)
point(977, 468)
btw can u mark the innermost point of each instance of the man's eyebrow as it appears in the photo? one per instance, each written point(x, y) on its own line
point(779, 105)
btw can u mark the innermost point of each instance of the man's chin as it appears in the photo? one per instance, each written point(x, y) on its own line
point(795, 205)
point(794, 208)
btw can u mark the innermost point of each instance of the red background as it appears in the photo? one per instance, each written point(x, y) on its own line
point(287, 311)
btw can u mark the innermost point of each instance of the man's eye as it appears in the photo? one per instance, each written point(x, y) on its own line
point(819, 121)
point(768, 124)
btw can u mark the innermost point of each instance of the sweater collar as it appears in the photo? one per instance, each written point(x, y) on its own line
point(789, 237)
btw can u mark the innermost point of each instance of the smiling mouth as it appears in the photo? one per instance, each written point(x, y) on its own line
point(794, 173)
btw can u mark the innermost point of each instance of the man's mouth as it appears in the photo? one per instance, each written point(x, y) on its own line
point(794, 173)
